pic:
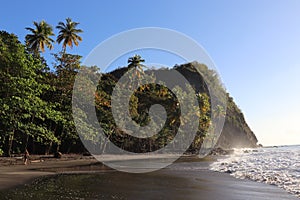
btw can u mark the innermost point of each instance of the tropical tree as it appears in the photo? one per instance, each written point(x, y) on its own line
point(219, 111)
point(40, 37)
point(68, 34)
point(136, 61)
point(66, 66)
point(25, 115)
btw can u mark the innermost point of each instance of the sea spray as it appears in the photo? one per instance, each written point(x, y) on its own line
point(278, 166)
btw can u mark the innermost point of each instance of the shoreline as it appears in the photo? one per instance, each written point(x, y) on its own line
point(212, 185)
point(15, 173)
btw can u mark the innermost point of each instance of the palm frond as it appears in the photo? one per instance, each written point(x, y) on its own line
point(68, 33)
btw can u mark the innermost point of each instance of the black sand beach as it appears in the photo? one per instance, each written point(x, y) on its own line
point(84, 178)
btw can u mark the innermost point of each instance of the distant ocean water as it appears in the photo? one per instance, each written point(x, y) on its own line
point(278, 166)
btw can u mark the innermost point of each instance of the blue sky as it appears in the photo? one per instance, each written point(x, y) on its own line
point(254, 44)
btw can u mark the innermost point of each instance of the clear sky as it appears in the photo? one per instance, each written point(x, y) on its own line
point(255, 45)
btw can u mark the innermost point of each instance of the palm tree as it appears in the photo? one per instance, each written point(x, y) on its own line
point(68, 34)
point(39, 37)
point(136, 61)
point(135, 64)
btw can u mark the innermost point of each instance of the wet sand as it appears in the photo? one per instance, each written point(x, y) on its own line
point(88, 179)
point(16, 174)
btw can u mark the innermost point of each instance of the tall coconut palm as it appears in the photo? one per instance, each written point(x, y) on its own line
point(68, 34)
point(39, 37)
point(136, 61)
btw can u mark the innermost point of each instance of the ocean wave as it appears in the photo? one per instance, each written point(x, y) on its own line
point(278, 166)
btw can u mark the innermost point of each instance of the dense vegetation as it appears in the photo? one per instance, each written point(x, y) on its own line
point(143, 98)
point(36, 99)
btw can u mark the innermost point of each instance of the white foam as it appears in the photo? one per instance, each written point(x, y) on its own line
point(276, 166)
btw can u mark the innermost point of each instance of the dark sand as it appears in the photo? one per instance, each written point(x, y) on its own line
point(182, 180)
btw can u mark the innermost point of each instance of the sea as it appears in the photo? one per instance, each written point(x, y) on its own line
point(278, 165)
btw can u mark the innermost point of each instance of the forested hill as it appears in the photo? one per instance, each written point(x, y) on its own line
point(36, 103)
point(236, 133)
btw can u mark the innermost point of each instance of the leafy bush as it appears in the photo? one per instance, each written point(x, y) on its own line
point(1, 152)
